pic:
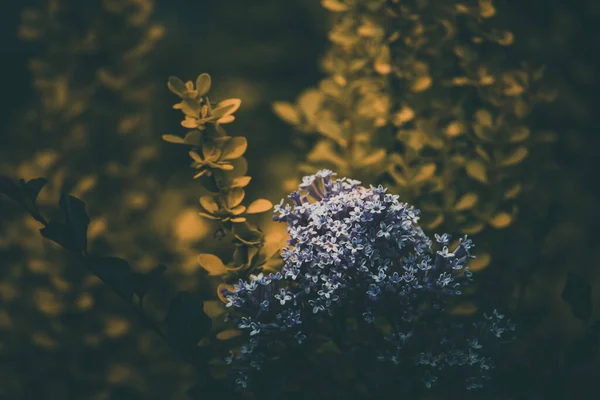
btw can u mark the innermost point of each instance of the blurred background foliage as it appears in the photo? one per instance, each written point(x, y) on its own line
point(85, 106)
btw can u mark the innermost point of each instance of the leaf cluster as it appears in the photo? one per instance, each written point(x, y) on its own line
point(418, 95)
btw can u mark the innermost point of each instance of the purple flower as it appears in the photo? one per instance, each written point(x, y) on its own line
point(358, 252)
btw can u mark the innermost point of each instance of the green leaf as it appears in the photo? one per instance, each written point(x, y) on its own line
point(77, 219)
point(203, 83)
point(234, 148)
point(477, 171)
point(287, 112)
point(515, 157)
point(212, 264)
point(176, 86)
point(259, 206)
point(114, 272)
point(186, 322)
point(578, 293)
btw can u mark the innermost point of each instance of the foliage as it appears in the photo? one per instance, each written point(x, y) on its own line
point(66, 336)
point(221, 168)
point(88, 127)
point(417, 96)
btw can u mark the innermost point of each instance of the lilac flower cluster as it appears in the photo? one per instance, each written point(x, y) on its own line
point(357, 254)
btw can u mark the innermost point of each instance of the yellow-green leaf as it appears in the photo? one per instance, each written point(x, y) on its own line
point(454, 129)
point(324, 151)
point(482, 153)
point(424, 173)
point(372, 159)
point(176, 86)
point(480, 262)
point(477, 171)
point(203, 83)
point(226, 119)
point(173, 139)
point(287, 112)
point(334, 5)
point(466, 202)
point(437, 221)
point(234, 148)
point(189, 122)
point(240, 181)
point(397, 176)
point(486, 9)
point(484, 117)
point(196, 157)
point(331, 130)
point(473, 229)
point(214, 308)
point(513, 192)
point(235, 197)
point(234, 105)
point(515, 157)
point(259, 206)
point(519, 134)
point(310, 102)
point(421, 84)
point(212, 264)
point(209, 203)
point(228, 334)
point(464, 309)
point(500, 220)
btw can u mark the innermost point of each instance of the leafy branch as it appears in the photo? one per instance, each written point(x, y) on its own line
point(185, 323)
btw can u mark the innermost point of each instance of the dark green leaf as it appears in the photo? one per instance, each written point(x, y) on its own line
point(115, 272)
point(142, 283)
point(11, 189)
point(583, 350)
point(34, 187)
point(77, 219)
point(186, 321)
point(578, 293)
point(60, 233)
